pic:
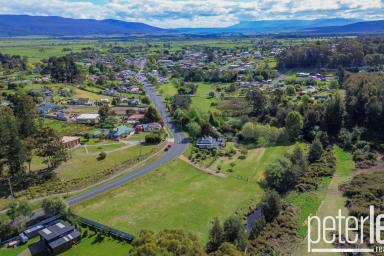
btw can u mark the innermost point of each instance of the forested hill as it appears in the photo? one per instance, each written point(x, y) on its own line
point(24, 25)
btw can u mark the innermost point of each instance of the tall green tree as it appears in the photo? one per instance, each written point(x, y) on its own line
point(51, 148)
point(25, 111)
point(294, 124)
point(216, 236)
point(234, 232)
point(333, 115)
point(152, 115)
point(315, 151)
point(54, 206)
point(271, 205)
point(12, 150)
point(258, 101)
point(280, 175)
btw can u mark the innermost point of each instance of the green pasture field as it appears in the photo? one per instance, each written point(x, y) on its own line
point(177, 195)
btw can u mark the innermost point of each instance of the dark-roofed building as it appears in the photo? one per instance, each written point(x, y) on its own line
point(59, 237)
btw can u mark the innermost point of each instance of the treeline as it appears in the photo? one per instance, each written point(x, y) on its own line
point(345, 53)
point(13, 62)
point(365, 102)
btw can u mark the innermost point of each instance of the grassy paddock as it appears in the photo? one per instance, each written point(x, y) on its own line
point(176, 196)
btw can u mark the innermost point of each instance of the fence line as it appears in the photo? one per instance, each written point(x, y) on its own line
point(112, 231)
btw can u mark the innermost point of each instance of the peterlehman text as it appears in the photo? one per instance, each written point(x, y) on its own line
point(325, 230)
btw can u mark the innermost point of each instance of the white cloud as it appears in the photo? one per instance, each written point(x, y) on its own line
point(197, 13)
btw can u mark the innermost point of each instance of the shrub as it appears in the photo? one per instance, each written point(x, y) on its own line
point(153, 138)
point(315, 151)
point(101, 156)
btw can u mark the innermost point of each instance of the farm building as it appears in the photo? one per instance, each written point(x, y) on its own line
point(59, 237)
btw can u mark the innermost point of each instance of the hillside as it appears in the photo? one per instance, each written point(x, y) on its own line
point(24, 25)
point(273, 26)
point(286, 25)
point(359, 27)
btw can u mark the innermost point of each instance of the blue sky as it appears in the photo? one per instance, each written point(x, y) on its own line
point(197, 13)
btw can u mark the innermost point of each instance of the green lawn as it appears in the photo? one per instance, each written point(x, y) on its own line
point(104, 147)
point(15, 251)
point(83, 170)
point(249, 167)
point(83, 165)
point(89, 246)
point(168, 90)
point(174, 196)
point(344, 162)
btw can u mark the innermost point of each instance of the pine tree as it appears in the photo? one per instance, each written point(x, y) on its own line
point(216, 236)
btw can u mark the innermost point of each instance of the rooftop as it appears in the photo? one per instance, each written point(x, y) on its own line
point(55, 231)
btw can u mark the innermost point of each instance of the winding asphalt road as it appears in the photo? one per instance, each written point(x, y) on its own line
point(176, 150)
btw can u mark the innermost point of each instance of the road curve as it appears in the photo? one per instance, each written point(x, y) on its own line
point(180, 145)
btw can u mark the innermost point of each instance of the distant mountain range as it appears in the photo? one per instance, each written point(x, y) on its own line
point(288, 25)
point(359, 27)
point(24, 25)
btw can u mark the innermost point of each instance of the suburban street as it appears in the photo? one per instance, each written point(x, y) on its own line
point(176, 150)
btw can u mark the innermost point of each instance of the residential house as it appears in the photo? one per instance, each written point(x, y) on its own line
point(80, 101)
point(70, 142)
point(88, 118)
point(110, 92)
point(207, 142)
point(59, 237)
point(46, 108)
point(61, 115)
point(121, 131)
point(258, 55)
point(104, 101)
point(46, 93)
point(134, 89)
point(135, 118)
point(152, 127)
point(302, 74)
